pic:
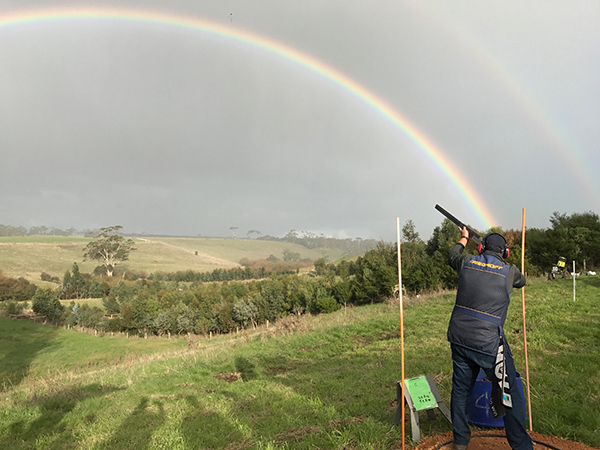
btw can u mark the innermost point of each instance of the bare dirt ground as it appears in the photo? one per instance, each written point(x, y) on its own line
point(479, 442)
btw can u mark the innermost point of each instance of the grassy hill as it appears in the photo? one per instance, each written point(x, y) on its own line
point(29, 256)
point(307, 382)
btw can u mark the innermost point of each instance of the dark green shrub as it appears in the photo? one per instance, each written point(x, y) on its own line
point(12, 307)
point(327, 304)
point(45, 303)
point(47, 277)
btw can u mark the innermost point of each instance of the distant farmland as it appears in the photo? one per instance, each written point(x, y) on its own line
point(29, 256)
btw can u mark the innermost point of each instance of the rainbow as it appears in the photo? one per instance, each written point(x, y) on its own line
point(26, 17)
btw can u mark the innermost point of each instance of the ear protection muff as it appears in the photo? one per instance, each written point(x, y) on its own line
point(505, 249)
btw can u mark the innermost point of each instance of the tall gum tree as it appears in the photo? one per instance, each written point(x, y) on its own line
point(109, 247)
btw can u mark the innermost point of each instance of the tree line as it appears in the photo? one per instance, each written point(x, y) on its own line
point(350, 247)
point(9, 230)
point(186, 302)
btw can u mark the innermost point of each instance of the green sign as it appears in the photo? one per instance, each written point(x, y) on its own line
point(420, 393)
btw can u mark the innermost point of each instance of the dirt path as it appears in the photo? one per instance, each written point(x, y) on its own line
point(205, 256)
point(479, 442)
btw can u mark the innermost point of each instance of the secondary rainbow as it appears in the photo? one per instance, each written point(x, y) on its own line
point(303, 59)
point(570, 157)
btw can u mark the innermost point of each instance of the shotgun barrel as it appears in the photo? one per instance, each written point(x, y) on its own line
point(472, 234)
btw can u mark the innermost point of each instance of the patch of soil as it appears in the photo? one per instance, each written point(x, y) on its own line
point(230, 377)
point(481, 441)
point(388, 336)
point(338, 423)
point(295, 435)
point(314, 347)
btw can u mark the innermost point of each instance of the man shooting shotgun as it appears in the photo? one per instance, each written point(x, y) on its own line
point(476, 335)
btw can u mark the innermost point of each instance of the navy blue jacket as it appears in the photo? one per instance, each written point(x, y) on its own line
point(485, 285)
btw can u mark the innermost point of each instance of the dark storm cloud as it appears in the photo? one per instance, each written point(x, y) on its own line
point(168, 130)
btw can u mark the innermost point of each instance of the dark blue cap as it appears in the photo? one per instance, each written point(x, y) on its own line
point(495, 240)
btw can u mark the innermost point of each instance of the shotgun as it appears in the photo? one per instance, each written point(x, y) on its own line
point(472, 234)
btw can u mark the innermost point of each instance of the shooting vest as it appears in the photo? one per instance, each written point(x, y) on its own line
point(481, 304)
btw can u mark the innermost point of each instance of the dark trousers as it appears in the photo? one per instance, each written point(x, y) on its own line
point(466, 364)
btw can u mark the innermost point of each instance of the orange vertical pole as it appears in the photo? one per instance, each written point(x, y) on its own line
point(401, 327)
point(524, 323)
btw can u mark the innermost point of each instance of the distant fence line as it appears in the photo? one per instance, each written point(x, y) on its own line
point(145, 334)
point(27, 316)
point(127, 335)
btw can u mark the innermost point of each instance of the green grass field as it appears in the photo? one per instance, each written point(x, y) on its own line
point(84, 301)
point(29, 256)
point(308, 382)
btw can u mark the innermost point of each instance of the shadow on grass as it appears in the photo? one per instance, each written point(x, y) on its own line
point(49, 427)
point(20, 342)
point(206, 428)
point(136, 431)
point(353, 390)
point(317, 404)
point(591, 280)
point(246, 368)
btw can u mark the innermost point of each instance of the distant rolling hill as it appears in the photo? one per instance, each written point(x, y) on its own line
point(29, 256)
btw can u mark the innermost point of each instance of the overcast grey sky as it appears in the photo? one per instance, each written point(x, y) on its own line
point(170, 130)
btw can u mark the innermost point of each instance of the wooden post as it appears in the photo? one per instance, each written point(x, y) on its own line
point(524, 322)
point(401, 329)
